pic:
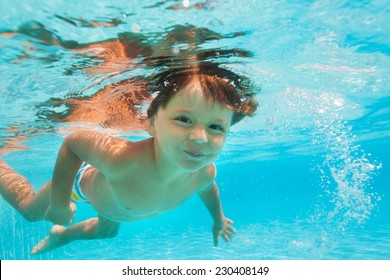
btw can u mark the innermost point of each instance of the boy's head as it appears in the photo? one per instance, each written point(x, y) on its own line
point(218, 85)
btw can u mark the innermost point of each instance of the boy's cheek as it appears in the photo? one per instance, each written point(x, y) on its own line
point(217, 147)
point(219, 141)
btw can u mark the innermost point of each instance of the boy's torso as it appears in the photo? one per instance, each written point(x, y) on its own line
point(139, 193)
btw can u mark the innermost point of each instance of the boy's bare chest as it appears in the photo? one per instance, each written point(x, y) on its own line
point(148, 193)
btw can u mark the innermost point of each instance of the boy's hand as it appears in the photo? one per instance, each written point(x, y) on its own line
point(61, 216)
point(224, 229)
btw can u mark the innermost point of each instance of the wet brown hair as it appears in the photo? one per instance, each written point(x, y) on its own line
point(219, 84)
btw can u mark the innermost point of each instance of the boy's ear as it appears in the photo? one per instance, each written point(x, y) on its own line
point(151, 128)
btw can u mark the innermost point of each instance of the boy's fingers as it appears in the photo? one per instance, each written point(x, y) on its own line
point(72, 219)
point(216, 237)
point(73, 206)
point(232, 229)
point(230, 234)
point(226, 237)
point(227, 232)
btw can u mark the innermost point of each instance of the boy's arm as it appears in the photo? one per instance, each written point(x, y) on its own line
point(92, 147)
point(222, 225)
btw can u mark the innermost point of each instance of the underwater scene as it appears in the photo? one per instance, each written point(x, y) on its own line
point(307, 177)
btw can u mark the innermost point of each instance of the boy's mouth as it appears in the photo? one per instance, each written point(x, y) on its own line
point(194, 154)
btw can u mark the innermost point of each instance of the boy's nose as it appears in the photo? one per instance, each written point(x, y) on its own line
point(198, 135)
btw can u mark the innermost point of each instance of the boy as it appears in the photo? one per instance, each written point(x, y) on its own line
point(129, 181)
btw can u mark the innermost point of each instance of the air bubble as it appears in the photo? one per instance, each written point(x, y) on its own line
point(136, 28)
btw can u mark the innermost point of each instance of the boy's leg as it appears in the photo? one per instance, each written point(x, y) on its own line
point(95, 228)
point(19, 193)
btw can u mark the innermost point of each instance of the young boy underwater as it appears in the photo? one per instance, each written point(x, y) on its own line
point(127, 181)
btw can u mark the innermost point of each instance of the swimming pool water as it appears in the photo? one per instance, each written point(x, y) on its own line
point(306, 178)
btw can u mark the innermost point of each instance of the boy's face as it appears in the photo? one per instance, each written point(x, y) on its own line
point(191, 131)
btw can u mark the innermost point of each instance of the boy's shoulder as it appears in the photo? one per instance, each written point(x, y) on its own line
point(128, 154)
point(210, 171)
point(126, 148)
point(207, 176)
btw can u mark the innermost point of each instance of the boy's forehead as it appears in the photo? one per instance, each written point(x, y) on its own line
point(195, 100)
point(192, 95)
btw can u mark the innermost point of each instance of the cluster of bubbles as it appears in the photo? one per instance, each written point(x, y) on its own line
point(346, 170)
point(349, 170)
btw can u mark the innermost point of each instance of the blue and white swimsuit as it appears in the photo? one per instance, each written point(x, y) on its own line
point(77, 194)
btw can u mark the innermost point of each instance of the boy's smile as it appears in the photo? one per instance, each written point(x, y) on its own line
point(191, 130)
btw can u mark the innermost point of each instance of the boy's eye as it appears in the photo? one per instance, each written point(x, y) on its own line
point(217, 127)
point(183, 119)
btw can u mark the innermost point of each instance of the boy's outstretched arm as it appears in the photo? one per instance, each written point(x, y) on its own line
point(61, 210)
point(94, 148)
point(222, 225)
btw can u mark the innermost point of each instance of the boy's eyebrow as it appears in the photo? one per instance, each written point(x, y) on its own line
point(182, 111)
point(188, 111)
point(223, 121)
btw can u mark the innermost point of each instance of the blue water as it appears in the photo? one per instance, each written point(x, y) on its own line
point(306, 178)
